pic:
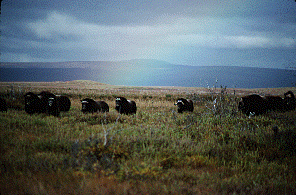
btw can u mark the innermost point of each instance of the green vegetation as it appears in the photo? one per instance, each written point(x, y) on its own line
point(214, 150)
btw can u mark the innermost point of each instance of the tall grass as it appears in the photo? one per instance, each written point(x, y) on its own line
point(213, 150)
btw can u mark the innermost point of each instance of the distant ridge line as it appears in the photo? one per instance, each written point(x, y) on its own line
point(103, 64)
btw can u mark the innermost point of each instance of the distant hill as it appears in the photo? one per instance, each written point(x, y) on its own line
point(89, 64)
point(149, 73)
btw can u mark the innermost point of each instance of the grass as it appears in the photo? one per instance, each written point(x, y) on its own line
point(214, 150)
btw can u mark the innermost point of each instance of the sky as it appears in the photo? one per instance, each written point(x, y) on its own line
point(251, 33)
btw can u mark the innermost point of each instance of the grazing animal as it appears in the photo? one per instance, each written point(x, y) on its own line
point(124, 106)
point(184, 105)
point(49, 103)
point(90, 105)
point(274, 103)
point(289, 101)
point(252, 104)
point(32, 103)
point(3, 105)
point(64, 102)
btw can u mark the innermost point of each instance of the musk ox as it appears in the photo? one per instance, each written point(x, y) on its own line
point(289, 101)
point(32, 103)
point(124, 106)
point(252, 104)
point(49, 103)
point(184, 105)
point(64, 102)
point(90, 105)
point(3, 105)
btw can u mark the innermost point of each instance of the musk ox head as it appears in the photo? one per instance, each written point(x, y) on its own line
point(184, 105)
point(3, 105)
point(49, 103)
point(124, 106)
point(89, 105)
point(252, 104)
point(289, 101)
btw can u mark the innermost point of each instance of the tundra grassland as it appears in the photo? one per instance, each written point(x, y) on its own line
point(214, 150)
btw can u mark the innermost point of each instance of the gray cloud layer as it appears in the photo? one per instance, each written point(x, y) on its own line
point(213, 32)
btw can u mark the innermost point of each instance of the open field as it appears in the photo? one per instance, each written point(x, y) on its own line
point(214, 150)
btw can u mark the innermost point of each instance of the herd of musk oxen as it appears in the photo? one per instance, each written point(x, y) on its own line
point(51, 104)
point(256, 105)
point(46, 102)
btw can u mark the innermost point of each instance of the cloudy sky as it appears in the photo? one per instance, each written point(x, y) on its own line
point(254, 33)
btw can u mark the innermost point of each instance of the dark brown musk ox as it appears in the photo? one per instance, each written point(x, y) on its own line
point(32, 103)
point(124, 106)
point(274, 103)
point(289, 101)
point(49, 103)
point(3, 105)
point(184, 105)
point(252, 104)
point(90, 105)
point(64, 102)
